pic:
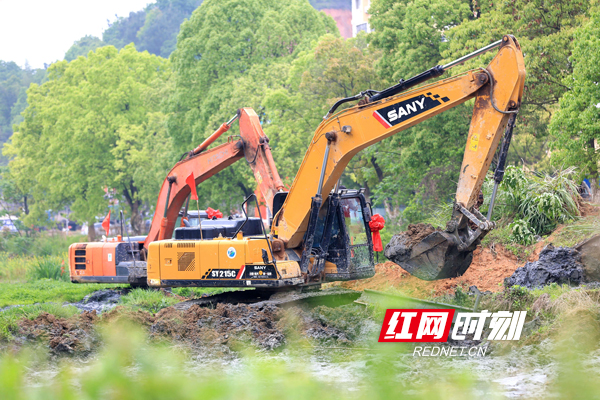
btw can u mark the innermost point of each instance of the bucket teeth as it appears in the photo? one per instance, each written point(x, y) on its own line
point(434, 257)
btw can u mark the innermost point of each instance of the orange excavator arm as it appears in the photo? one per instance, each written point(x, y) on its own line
point(253, 144)
point(497, 90)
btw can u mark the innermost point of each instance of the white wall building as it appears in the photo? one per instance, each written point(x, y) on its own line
point(360, 17)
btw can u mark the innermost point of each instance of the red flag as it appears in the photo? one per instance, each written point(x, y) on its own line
point(106, 223)
point(376, 224)
point(192, 184)
point(213, 213)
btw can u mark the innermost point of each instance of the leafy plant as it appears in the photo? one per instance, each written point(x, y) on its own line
point(536, 203)
point(49, 268)
point(521, 232)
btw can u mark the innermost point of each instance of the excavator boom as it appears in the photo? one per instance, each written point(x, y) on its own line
point(497, 90)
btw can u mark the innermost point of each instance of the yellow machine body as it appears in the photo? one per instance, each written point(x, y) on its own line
point(217, 262)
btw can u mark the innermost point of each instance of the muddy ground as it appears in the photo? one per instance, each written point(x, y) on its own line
point(226, 326)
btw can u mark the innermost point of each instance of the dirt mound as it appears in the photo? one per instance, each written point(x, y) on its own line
point(555, 265)
point(487, 271)
point(62, 335)
point(265, 326)
point(202, 326)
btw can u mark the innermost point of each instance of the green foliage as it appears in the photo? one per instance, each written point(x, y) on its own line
point(153, 29)
point(148, 300)
point(10, 318)
point(44, 291)
point(576, 125)
point(34, 257)
point(14, 82)
point(50, 268)
point(197, 292)
point(461, 297)
point(545, 31)
point(580, 230)
point(243, 63)
point(38, 244)
point(521, 232)
point(83, 46)
point(536, 203)
point(104, 107)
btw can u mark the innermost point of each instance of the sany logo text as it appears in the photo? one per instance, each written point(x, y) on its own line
point(406, 325)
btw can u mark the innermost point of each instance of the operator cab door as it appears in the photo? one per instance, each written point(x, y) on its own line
point(343, 232)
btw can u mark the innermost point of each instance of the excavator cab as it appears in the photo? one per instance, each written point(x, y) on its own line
point(342, 246)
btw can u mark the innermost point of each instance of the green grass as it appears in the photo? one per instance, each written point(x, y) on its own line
point(578, 231)
point(45, 290)
point(10, 318)
point(15, 268)
point(197, 292)
point(148, 300)
point(39, 244)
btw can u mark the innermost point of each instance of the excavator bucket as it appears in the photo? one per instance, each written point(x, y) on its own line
point(429, 254)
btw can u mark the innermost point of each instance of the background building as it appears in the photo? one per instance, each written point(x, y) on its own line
point(360, 16)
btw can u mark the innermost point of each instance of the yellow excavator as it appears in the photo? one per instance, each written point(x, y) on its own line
point(319, 231)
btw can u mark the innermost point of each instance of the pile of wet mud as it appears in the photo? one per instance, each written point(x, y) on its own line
point(265, 326)
point(561, 265)
point(223, 328)
point(62, 335)
point(401, 244)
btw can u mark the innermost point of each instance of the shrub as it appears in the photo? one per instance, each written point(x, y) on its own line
point(49, 268)
point(521, 232)
point(536, 203)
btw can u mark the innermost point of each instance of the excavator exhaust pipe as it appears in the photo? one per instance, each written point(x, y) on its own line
point(436, 256)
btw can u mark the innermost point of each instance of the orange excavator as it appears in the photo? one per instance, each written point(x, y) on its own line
point(123, 260)
point(321, 232)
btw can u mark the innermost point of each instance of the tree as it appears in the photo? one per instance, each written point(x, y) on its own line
point(123, 30)
point(153, 29)
point(416, 168)
point(220, 70)
point(544, 30)
point(14, 82)
point(576, 124)
point(158, 35)
point(83, 46)
point(332, 69)
point(92, 127)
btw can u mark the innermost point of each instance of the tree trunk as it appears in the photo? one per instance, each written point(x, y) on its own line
point(136, 218)
point(393, 213)
point(25, 206)
point(91, 231)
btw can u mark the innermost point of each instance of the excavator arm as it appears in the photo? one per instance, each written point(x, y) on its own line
point(253, 144)
point(497, 90)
